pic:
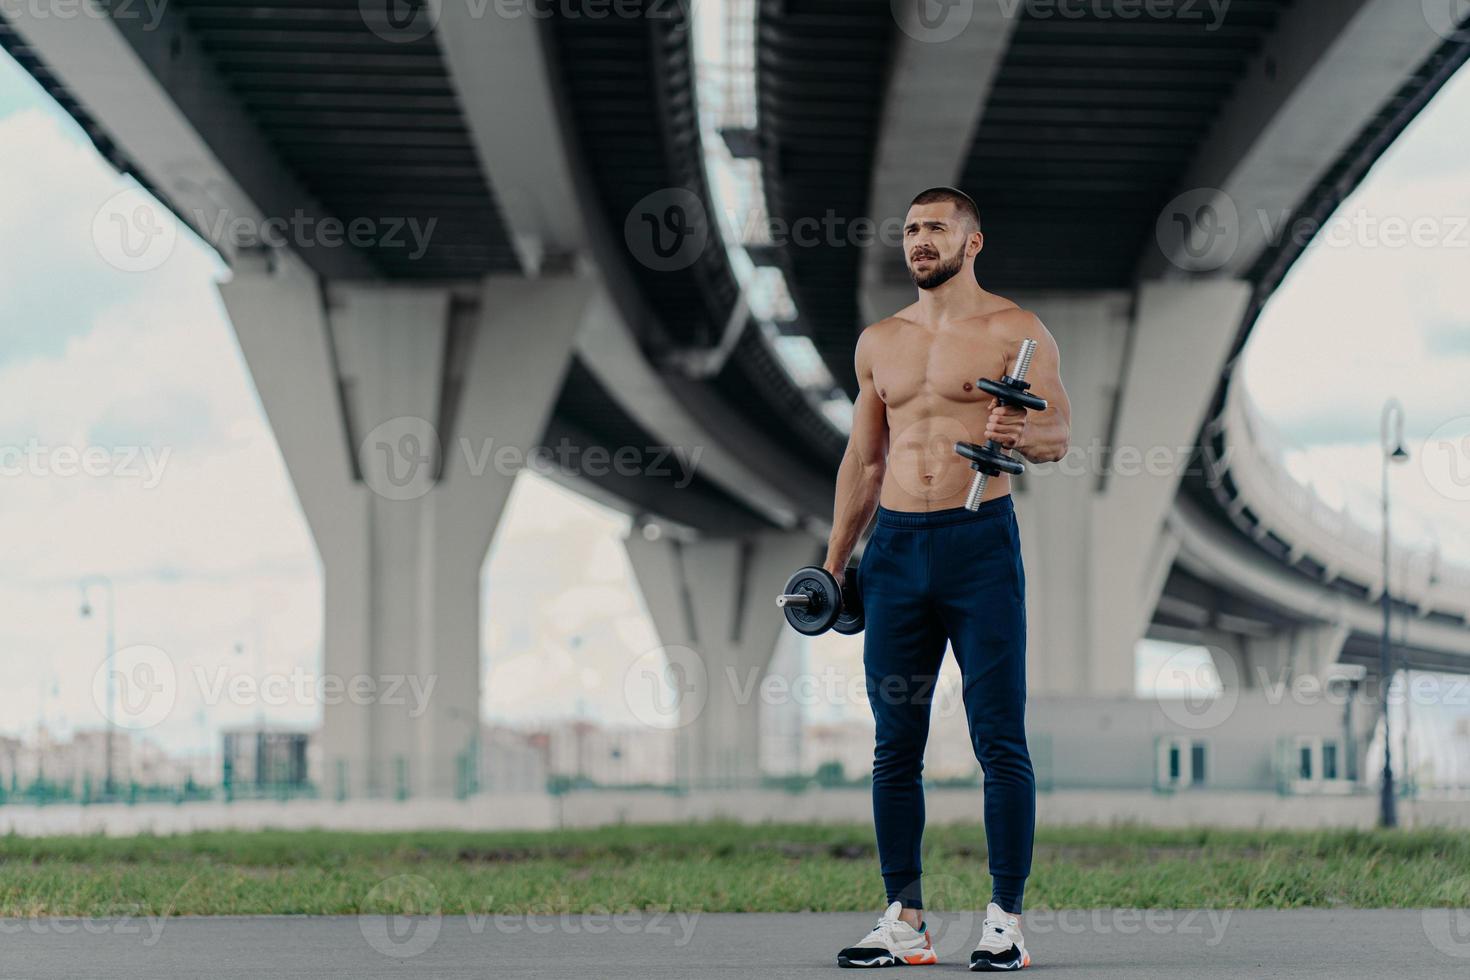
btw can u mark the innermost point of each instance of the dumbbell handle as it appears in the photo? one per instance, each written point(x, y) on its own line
point(981, 479)
point(798, 600)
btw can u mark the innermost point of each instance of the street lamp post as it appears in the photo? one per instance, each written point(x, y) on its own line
point(109, 733)
point(1391, 441)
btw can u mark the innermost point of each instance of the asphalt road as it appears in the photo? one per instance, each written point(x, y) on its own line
point(1126, 944)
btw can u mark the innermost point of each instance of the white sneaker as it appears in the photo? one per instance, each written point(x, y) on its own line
point(892, 942)
point(1001, 948)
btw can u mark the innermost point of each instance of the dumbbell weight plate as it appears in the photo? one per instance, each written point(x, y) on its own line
point(1012, 396)
point(821, 613)
point(851, 620)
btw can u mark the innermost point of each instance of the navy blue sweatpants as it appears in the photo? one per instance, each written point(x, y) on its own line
point(926, 578)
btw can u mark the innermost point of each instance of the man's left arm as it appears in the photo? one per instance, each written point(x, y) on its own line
point(1041, 437)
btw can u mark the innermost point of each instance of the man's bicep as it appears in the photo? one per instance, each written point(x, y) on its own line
point(869, 437)
point(1046, 370)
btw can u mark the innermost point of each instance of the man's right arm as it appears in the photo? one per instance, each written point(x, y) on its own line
point(860, 477)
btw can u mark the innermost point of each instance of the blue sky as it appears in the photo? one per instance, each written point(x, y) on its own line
point(216, 553)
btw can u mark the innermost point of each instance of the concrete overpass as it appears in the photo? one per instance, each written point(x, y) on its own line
point(578, 290)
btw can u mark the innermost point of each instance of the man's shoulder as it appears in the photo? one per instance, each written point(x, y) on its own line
point(1015, 321)
point(889, 325)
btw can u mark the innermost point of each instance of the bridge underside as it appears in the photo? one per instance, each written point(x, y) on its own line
point(1084, 130)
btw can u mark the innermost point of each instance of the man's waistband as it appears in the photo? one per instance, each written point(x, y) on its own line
point(944, 518)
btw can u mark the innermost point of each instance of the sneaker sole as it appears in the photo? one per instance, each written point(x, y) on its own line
point(926, 958)
point(984, 967)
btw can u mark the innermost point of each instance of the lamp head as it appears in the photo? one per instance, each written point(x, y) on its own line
point(1399, 454)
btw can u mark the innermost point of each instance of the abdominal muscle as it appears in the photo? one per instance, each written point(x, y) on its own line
point(923, 471)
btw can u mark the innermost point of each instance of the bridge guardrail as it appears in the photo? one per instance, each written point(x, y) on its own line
point(1332, 537)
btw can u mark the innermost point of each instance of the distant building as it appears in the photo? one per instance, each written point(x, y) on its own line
point(511, 761)
point(80, 764)
point(847, 743)
point(782, 719)
point(11, 750)
point(581, 750)
point(1244, 743)
point(266, 757)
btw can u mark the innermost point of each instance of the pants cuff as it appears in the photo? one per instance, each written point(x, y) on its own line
point(905, 887)
point(1007, 891)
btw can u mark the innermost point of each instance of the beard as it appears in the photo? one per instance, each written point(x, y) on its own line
point(942, 273)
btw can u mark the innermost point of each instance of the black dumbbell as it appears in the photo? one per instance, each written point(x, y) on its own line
point(992, 459)
point(814, 603)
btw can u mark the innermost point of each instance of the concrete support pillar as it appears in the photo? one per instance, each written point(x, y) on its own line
point(1316, 648)
point(1140, 370)
point(1251, 663)
point(1284, 657)
point(387, 403)
point(713, 602)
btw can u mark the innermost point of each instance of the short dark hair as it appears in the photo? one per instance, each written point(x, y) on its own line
point(962, 202)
